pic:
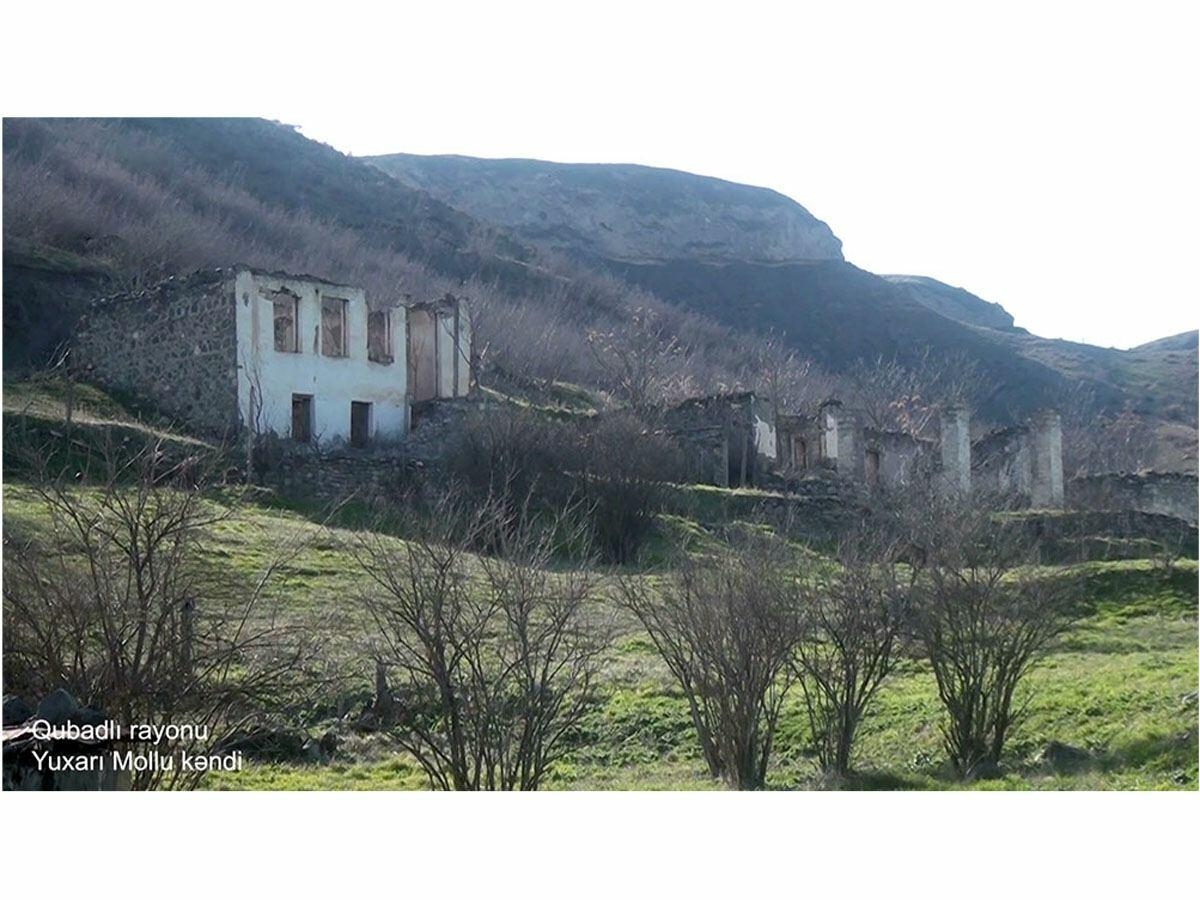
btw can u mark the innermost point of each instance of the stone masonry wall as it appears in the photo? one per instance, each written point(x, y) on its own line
point(1165, 493)
point(173, 346)
point(327, 478)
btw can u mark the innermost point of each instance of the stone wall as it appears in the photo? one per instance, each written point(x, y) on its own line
point(1079, 536)
point(1166, 493)
point(173, 346)
point(325, 478)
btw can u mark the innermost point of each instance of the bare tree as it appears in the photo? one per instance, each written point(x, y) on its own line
point(892, 395)
point(636, 357)
point(726, 628)
point(113, 597)
point(1096, 440)
point(497, 657)
point(984, 616)
point(855, 612)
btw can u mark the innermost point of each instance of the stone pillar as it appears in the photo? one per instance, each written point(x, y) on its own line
point(956, 450)
point(851, 452)
point(1046, 486)
point(827, 418)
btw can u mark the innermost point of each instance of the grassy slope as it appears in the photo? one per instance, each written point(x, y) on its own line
point(1122, 684)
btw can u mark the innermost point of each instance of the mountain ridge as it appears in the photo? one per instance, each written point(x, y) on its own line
point(570, 207)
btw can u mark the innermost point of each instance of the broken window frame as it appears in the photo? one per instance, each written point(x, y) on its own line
point(387, 356)
point(288, 299)
point(328, 347)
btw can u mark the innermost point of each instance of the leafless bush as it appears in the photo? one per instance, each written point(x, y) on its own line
point(497, 664)
point(620, 470)
point(113, 597)
point(854, 615)
point(984, 616)
point(727, 628)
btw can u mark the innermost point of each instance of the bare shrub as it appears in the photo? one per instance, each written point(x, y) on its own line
point(854, 615)
point(497, 656)
point(112, 596)
point(984, 616)
point(611, 471)
point(727, 628)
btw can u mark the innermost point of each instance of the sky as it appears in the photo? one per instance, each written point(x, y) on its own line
point(1041, 155)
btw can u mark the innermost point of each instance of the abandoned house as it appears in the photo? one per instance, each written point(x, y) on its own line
point(729, 439)
point(299, 357)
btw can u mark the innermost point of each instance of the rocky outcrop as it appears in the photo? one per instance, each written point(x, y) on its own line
point(623, 212)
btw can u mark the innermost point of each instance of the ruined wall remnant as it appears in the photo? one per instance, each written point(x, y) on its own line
point(1023, 462)
point(732, 436)
point(1001, 462)
point(326, 388)
point(439, 349)
point(1164, 493)
point(956, 450)
point(797, 444)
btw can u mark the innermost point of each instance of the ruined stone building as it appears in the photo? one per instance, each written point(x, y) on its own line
point(729, 439)
point(1024, 462)
point(228, 350)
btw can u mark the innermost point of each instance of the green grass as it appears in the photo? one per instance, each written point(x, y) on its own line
point(1121, 685)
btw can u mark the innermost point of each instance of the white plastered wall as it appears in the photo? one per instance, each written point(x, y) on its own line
point(271, 377)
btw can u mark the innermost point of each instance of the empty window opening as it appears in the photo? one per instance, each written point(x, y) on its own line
point(799, 453)
point(379, 336)
point(360, 423)
point(284, 309)
point(302, 418)
point(333, 326)
point(873, 468)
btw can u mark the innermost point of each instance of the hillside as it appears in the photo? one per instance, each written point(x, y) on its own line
point(953, 302)
point(622, 212)
point(1185, 341)
point(548, 253)
point(655, 229)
